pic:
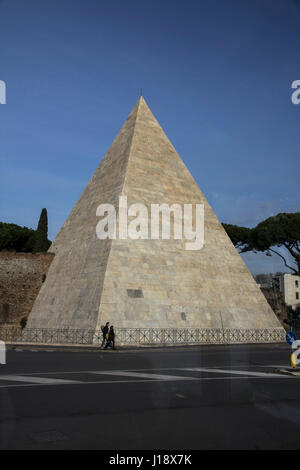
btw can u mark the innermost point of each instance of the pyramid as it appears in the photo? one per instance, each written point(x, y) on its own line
point(147, 284)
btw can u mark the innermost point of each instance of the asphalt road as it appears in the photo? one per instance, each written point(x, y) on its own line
point(211, 397)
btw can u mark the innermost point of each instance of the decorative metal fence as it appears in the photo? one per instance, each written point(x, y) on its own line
point(173, 336)
point(144, 336)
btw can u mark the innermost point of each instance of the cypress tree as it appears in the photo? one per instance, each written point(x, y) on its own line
point(41, 236)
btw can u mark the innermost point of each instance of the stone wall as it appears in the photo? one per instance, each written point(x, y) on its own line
point(21, 277)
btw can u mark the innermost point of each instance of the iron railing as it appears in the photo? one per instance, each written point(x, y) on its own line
point(144, 336)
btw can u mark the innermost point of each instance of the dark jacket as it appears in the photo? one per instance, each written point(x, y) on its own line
point(105, 330)
point(111, 334)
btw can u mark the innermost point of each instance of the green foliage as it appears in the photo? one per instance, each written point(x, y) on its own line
point(282, 231)
point(23, 322)
point(16, 238)
point(238, 235)
point(41, 237)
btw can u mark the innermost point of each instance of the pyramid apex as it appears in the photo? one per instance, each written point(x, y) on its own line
point(141, 106)
point(141, 99)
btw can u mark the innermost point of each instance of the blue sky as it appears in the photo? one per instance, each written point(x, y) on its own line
point(217, 74)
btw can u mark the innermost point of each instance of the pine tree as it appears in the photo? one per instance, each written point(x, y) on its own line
point(41, 236)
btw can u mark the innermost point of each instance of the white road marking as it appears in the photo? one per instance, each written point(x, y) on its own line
point(230, 371)
point(274, 366)
point(147, 370)
point(37, 380)
point(104, 382)
point(143, 375)
point(87, 382)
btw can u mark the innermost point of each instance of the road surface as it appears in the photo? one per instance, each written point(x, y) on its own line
point(208, 397)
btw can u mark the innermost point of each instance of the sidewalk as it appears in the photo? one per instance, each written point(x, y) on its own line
point(130, 347)
point(96, 347)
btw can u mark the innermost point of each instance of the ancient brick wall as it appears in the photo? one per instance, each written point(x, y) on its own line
point(21, 277)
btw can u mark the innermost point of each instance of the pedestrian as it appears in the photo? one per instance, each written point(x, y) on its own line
point(111, 338)
point(105, 334)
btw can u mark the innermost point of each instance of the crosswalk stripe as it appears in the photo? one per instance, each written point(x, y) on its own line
point(38, 380)
point(143, 375)
point(231, 371)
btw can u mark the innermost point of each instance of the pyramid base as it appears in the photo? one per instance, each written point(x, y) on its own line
point(154, 336)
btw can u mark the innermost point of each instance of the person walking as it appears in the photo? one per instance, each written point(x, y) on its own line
point(111, 338)
point(105, 333)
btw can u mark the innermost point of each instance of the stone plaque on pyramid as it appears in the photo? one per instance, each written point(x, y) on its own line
point(150, 285)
